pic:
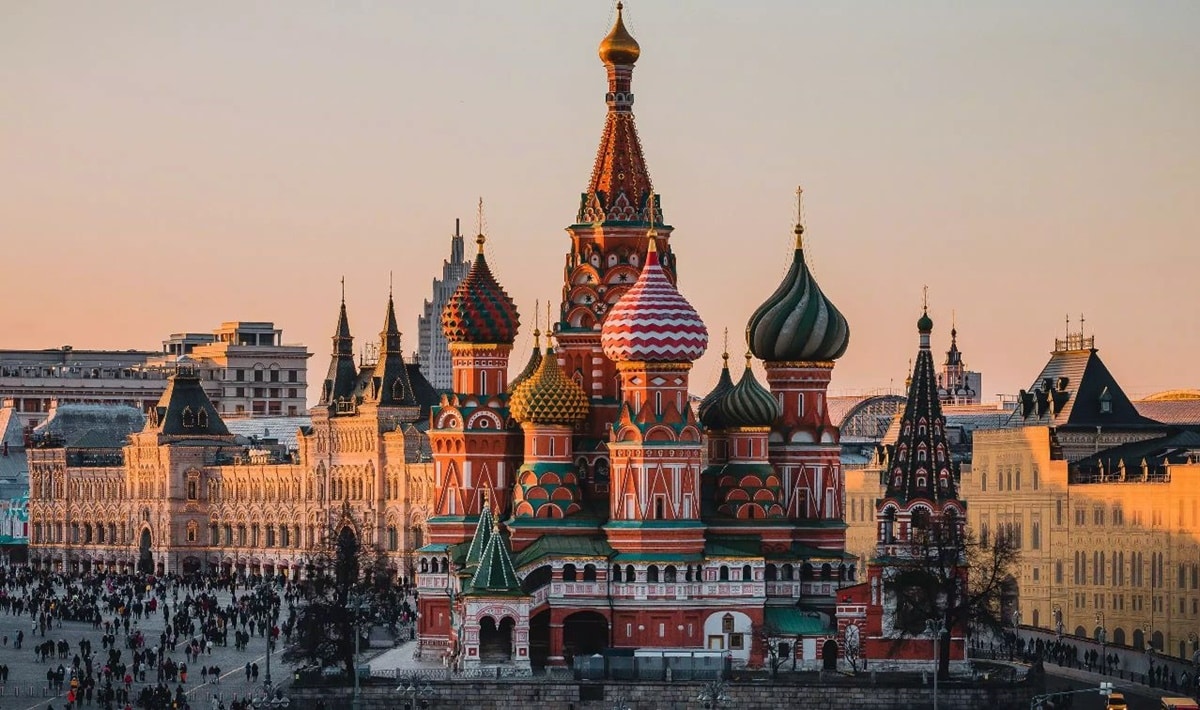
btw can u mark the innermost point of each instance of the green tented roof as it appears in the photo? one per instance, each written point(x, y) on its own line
point(794, 622)
point(483, 534)
point(495, 573)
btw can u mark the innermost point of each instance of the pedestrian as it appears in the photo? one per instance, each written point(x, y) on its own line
point(247, 671)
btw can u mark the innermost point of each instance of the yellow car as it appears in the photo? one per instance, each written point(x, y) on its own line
point(1116, 701)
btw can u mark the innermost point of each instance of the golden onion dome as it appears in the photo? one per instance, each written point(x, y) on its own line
point(549, 396)
point(619, 47)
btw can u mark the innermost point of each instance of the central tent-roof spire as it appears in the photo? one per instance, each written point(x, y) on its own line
point(620, 185)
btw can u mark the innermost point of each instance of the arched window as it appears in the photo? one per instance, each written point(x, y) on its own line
point(589, 573)
point(630, 575)
point(670, 574)
point(723, 574)
point(616, 573)
point(772, 572)
point(652, 573)
point(747, 573)
point(568, 573)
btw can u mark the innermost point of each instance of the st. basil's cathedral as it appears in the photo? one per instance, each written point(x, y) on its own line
point(586, 505)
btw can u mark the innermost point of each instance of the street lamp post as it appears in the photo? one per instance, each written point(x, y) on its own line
point(1058, 622)
point(356, 608)
point(1102, 637)
point(712, 695)
point(1148, 629)
point(264, 597)
point(1016, 623)
point(936, 627)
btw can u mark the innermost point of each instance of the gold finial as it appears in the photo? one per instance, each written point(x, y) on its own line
point(653, 231)
point(749, 357)
point(799, 230)
point(549, 329)
point(619, 47)
point(725, 353)
point(343, 290)
point(537, 306)
point(925, 299)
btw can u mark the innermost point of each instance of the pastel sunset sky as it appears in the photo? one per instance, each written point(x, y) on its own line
point(167, 166)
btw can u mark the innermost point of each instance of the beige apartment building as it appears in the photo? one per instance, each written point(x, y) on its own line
point(182, 491)
point(245, 368)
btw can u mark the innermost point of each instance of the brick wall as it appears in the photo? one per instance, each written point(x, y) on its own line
point(673, 696)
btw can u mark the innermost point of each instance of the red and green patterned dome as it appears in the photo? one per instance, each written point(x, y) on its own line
point(480, 311)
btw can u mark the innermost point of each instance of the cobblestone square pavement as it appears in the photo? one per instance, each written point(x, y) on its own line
point(27, 685)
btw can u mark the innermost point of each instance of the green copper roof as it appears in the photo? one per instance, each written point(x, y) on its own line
point(794, 622)
point(733, 547)
point(560, 546)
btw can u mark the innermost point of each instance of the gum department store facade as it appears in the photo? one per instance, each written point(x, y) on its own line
point(581, 506)
point(185, 494)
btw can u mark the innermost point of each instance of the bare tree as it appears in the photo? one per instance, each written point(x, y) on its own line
point(947, 576)
point(770, 638)
point(343, 582)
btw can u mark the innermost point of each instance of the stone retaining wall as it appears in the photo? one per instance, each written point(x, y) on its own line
point(485, 695)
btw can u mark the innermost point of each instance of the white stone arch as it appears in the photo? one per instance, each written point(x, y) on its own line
point(716, 628)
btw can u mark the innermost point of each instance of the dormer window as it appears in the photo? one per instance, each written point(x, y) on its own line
point(189, 417)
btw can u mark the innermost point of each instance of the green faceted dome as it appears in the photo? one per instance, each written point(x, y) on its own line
point(709, 409)
point(925, 323)
point(749, 404)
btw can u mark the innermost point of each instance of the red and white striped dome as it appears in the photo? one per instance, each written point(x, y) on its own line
point(652, 322)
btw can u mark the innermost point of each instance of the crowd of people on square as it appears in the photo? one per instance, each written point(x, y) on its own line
point(157, 634)
point(1070, 654)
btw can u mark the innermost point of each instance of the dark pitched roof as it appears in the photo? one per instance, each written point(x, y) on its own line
point(1075, 389)
point(339, 381)
point(185, 409)
point(921, 466)
point(91, 426)
point(1177, 448)
point(388, 385)
point(424, 392)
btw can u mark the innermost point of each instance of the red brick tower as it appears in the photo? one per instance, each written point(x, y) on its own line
point(608, 248)
point(548, 405)
point(653, 335)
point(476, 445)
point(798, 334)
